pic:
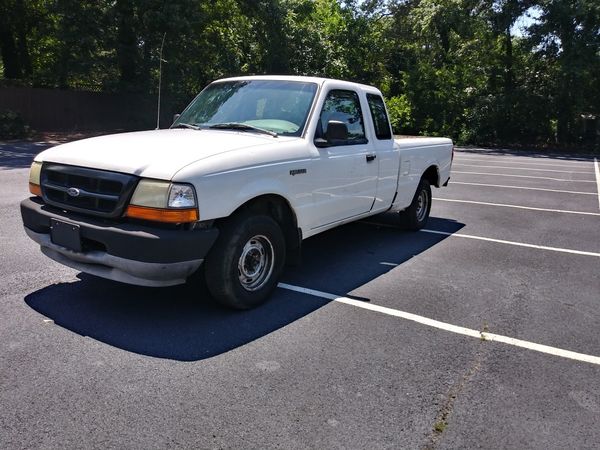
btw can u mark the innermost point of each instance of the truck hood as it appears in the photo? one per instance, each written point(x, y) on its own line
point(153, 154)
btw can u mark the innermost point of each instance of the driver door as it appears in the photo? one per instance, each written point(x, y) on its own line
point(346, 170)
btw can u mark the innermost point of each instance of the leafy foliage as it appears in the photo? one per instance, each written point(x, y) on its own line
point(448, 67)
point(12, 125)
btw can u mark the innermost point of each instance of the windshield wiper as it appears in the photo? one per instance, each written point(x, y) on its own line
point(241, 126)
point(187, 125)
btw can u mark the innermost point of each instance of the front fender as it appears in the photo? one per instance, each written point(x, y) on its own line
point(221, 194)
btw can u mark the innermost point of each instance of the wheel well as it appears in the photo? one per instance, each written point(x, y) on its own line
point(432, 175)
point(280, 210)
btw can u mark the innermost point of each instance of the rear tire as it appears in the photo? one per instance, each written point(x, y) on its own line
point(244, 265)
point(415, 216)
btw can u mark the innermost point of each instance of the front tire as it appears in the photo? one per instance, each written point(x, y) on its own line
point(244, 265)
point(416, 215)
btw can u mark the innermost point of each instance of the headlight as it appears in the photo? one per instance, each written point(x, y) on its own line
point(151, 193)
point(34, 173)
point(34, 178)
point(181, 196)
point(162, 201)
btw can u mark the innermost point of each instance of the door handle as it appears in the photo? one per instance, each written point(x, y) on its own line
point(371, 157)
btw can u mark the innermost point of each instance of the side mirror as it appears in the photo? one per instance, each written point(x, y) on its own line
point(175, 117)
point(336, 131)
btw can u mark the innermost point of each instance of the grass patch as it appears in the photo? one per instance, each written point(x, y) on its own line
point(440, 426)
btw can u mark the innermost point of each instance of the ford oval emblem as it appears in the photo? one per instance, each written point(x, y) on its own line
point(73, 192)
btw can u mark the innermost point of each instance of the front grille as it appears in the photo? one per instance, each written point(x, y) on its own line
point(91, 191)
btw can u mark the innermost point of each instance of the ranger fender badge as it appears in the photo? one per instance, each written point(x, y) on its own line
point(297, 171)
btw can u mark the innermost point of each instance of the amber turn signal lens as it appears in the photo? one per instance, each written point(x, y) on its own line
point(162, 215)
point(35, 189)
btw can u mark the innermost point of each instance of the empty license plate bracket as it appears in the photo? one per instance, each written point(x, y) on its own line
point(65, 234)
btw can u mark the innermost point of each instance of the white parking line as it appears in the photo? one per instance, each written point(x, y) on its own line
point(498, 241)
point(597, 179)
point(517, 206)
point(482, 335)
point(524, 176)
point(517, 244)
point(534, 156)
point(523, 187)
point(524, 160)
point(522, 168)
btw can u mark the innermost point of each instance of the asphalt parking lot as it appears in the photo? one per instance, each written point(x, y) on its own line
point(482, 331)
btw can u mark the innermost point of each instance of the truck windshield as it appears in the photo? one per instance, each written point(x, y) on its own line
point(276, 106)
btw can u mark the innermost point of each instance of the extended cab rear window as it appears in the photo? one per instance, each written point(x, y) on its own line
point(380, 118)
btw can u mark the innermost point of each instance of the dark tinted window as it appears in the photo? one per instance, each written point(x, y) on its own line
point(380, 119)
point(344, 106)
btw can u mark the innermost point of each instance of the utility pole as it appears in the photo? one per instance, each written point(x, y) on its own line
point(160, 79)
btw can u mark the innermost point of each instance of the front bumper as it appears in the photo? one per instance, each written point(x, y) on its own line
point(126, 252)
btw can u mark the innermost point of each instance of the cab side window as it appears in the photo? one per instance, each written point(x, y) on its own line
point(343, 106)
point(380, 118)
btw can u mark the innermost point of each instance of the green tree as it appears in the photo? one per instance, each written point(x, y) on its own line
point(448, 67)
point(15, 24)
point(568, 39)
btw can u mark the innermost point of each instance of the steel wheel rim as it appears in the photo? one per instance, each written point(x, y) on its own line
point(256, 262)
point(422, 205)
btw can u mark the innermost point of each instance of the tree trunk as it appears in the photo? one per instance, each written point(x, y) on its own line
point(21, 28)
point(509, 86)
point(126, 44)
point(564, 112)
point(10, 57)
point(566, 95)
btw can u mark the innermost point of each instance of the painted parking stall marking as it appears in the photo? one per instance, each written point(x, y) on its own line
point(538, 158)
point(523, 187)
point(483, 335)
point(597, 172)
point(523, 176)
point(503, 205)
point(497, 241)
point(520, 162)
point(522, 168)
point(517, 244)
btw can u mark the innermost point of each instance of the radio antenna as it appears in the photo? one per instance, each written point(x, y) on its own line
point(160, 59)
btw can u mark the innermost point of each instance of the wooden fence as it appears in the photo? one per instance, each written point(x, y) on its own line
point(68, 110)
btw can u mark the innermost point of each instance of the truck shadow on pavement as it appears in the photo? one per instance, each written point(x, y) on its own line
point(182, 323)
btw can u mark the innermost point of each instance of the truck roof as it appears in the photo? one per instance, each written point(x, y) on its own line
point(318, 80)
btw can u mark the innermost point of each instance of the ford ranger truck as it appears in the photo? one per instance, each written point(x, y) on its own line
point(251, 168)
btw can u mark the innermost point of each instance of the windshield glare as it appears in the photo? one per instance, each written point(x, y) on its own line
point(274, 105)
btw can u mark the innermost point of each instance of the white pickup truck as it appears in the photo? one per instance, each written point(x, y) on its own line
point(251, 168)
